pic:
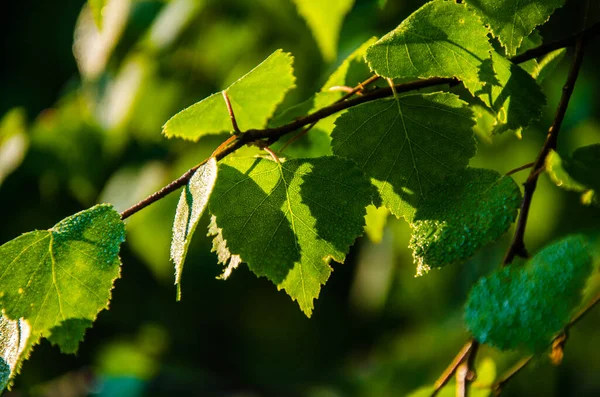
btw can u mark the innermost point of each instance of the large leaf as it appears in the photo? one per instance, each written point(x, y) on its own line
point(407, 145)
point(325, 20)
point(465, 212)
point(526, 306)
point(254, 98)
point(191, 206)
point(441, 39)
point(69, 334)
point(16, 342)
point(511, 20)
point(580, 173)
point(287, 220)
point(47, 277)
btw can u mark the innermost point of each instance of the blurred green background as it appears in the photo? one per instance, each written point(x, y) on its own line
point(82, 114)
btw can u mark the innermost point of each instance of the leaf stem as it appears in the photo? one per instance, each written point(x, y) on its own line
point(517, 246)
point(521, 168)
point(236, 129)
point(462, 355)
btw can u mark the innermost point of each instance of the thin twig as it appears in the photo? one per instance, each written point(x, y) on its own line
point(544, 49)
point(272, 153)
point(511, 373)
point(521, 168)
point(359, 87)
point(236, 129)
point(517, 246)
point(451, 369)
point(465, 373)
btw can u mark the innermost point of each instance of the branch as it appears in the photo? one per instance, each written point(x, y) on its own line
point(544, 49)
point(273, 134)
point(511, 373)
point(462, 355)
point(517, 246)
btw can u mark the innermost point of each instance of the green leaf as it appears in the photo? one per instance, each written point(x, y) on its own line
point(96, 6)
point(191, 206)
point(512, 20)
point(287, 220)
point(254, 98)
point(514, 96)
point(441, 39)
point(548, 64)
point(16, 342)
point(47, 277)
point(69, 334)
point(462, 214)
point(403, 148)
point(579, 173)
point(526, 306)
point(224, 256)
point(325, 20)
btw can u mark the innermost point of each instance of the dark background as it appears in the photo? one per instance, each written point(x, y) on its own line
point(376, 330)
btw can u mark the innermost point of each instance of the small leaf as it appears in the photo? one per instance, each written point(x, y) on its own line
point(580, 173)
point(548, 64)
point(69, 334)
point(512, 20)
point(191, 206)
point(403, 148)
point(287, 220)
point(440, 39)
point(254, 98)
point(16, 342)
point(96, 6)
point(325, 19)
point(526, 306)
point(66, 272)
point(465, 212)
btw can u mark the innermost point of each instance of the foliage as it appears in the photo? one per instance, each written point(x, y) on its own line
point(362, 146)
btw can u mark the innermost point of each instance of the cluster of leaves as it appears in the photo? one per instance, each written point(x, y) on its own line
point(288, 218)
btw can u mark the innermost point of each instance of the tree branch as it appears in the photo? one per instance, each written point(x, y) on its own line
point(517, 246)
point(462, 355)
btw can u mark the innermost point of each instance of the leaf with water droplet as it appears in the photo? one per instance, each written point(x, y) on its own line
point(191, 206)
point(403, 148)
point(254, 98)
point(579, 173)
point(465, 212)
point(286, 220)
point(47, 277)
point(527, 306)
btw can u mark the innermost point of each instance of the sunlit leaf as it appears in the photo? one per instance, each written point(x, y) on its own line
point(287, 220)
point(66, 272)
point(191, 206)
point(69, 334)
point(526, 306)
point(402, 148)
point(511, 20)
point(16, 342)
point(254, 98)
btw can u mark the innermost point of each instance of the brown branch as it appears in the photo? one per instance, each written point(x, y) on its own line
point(465, 373)
point(234, 124)
point(517, 246)
point(463, 354)
point(273, 134)
point(544, 49)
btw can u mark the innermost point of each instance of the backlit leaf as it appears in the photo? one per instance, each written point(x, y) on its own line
point(403, 148)
point(441, 39)
point(191, 206)
point(511, 20)
point(287, 220)
point(16, 342)
point(254, 98)
point(462, 214)
point(325, 20)
point(69, 334)
point(47, 277)
point(526, 306)
point(579, 173)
